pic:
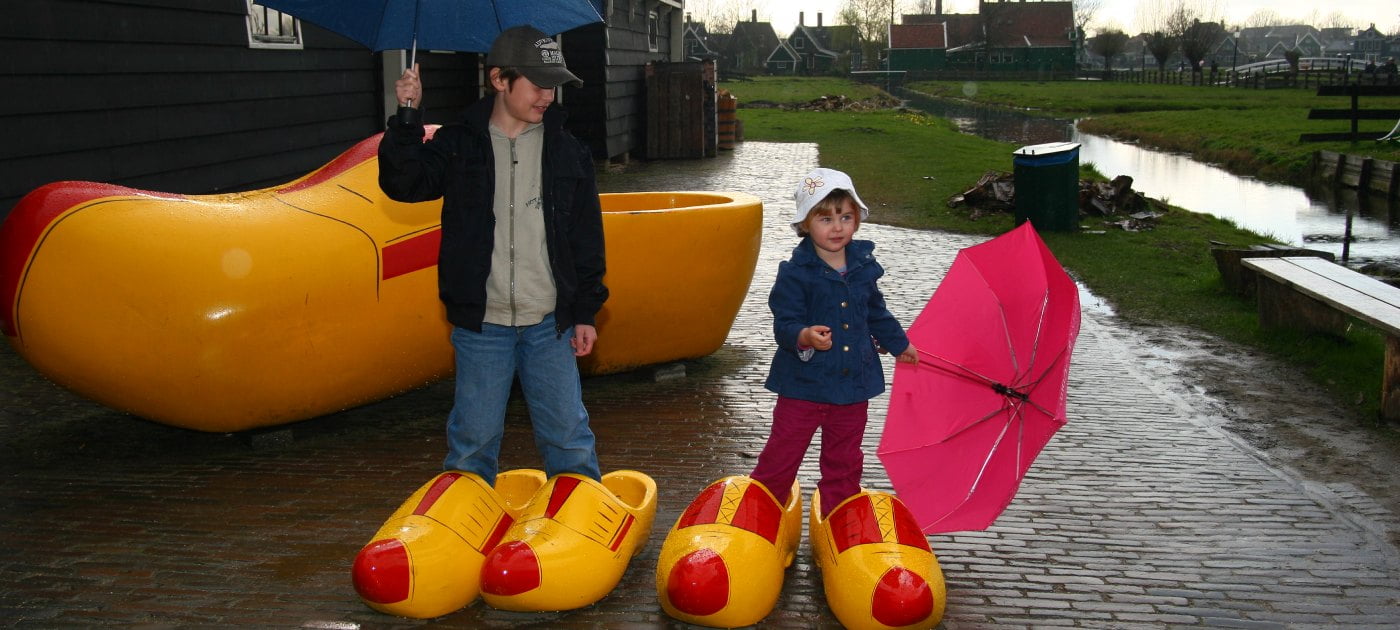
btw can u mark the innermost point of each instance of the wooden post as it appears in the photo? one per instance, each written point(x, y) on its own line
point(1390, 381)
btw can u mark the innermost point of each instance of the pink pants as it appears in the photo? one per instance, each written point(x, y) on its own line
point(794, 423)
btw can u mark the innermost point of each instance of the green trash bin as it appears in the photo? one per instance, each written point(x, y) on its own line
point(1047, 186)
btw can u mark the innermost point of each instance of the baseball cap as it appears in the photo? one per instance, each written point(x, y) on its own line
point(534, 54)
point(816, 186)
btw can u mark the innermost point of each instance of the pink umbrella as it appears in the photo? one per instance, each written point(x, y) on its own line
point(989, 391)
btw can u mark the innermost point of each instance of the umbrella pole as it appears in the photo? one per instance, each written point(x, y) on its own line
point(413, 58)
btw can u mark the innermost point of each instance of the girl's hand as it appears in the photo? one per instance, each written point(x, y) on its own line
point(910, 355)
point(817, 336)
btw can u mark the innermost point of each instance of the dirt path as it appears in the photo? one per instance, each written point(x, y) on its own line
point(1273, 410)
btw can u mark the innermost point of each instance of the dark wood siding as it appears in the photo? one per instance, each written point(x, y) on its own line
point(609, 112)
point(167, 95)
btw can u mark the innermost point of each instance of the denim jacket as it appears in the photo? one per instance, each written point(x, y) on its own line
point(809, 292)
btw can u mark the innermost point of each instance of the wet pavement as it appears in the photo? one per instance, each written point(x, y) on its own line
point(1141, 512)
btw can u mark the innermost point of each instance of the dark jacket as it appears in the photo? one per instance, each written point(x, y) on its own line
point(809, 292)
point(457, 165)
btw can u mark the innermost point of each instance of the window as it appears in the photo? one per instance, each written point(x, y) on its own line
point(268, 28)
point(653, 25)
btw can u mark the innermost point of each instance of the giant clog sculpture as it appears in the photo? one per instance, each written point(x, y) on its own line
point(237, 311)
point(877, 569)
point(426, 559)
point(722, 564)
point(572, 543)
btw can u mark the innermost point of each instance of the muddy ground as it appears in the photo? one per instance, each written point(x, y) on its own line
point(1274, 411)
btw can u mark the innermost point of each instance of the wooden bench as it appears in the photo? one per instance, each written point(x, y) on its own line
point(1314, 294)
point(1353, 113)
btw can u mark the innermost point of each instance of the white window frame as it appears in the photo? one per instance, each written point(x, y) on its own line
point(259, 36)
point(653, 31)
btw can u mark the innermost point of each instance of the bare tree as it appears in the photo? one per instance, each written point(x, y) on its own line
point(1265, 17)
point(1108, 44)
point(1335, 19)
point(871, 19)
point(1196, 43)
point(1161, 45)
point(720, 16)
point(923, 7)
point(1084, 11)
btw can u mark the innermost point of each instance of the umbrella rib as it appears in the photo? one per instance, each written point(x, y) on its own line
point(972, 375)
point(986, 462)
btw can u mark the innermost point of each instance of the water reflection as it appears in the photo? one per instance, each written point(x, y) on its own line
point(1313, 218)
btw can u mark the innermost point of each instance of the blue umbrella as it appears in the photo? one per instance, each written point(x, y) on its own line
point(461, 25)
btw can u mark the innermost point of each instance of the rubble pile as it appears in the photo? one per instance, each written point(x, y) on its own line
point(1115, 201)
point(841, 102)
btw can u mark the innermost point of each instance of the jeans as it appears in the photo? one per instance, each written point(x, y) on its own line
point(487, 363)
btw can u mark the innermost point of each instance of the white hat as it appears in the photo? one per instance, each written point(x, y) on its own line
point(816, 186)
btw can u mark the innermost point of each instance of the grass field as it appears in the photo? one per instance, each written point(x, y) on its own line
point(908, 164)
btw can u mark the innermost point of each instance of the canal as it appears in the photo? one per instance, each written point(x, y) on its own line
point(1328, 220)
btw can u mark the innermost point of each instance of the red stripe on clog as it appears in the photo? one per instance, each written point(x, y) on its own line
point(704, 508)
point(622, 533)
point(352, 157)
point(758, 513)
point(497, 534)
point(439, 487)
point(563, 487)
point(906, 529)
point(854, 524)
point(418, 252)
point(31, 219)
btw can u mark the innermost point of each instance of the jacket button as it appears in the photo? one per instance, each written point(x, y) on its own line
point(845, 371)
point(843, 305)
point(845, 326)
point(845, 348)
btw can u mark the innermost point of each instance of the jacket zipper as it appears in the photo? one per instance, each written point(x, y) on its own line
point(513, 161)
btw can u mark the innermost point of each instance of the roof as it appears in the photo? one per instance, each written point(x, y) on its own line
point(906, 36)
point(829, 40)
point(1010, 24)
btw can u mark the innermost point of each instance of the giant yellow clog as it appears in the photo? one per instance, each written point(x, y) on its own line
point(426, 559)
point(877, 568)
point(571, 545)
point(244, 310)
point(722, 563)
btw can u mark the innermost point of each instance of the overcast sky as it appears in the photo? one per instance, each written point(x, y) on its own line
point(1122, 13)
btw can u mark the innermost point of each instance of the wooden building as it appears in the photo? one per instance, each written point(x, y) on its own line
point(1006, 36)
point(748, 47)
point(609, 111)
point(205, 96)
point(821, 49)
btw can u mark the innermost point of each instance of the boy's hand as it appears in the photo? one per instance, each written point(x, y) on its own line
point(817, 336)
point(409, 89)
point(584, 338)
point(910, 355)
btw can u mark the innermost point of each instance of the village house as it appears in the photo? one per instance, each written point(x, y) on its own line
point(1002, 36)
point(748, 47)
point(816, 50)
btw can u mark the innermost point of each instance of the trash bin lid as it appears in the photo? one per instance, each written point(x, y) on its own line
point(1049, 148)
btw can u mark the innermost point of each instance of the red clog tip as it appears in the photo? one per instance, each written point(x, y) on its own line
point(381, 572)
point(699, 583)
point(901, 598)
point(510, 569)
